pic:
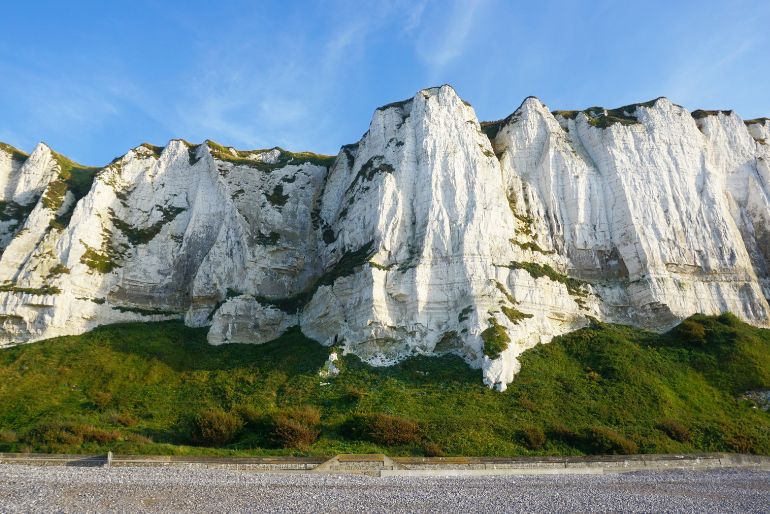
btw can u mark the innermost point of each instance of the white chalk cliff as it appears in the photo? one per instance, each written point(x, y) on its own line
point(433, 234)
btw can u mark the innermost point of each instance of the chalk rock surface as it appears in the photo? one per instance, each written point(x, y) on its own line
point(433, 234)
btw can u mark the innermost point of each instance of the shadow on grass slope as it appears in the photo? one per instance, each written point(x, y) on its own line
point(160, 388)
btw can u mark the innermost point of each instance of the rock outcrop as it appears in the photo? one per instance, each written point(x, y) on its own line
point(433, 234)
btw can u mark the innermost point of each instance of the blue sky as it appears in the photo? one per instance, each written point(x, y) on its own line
point(95, 78)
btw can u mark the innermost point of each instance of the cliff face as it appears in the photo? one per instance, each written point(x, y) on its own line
point(433, 234)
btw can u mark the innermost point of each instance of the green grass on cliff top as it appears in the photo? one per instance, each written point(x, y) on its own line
point(135, 388)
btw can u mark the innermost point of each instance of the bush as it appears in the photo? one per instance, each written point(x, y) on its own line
point(354, 393)
point(123, 418)
point(729, 319)
point(8, 436)
point(432, 449)
point(565, 434)
point(251, 416)
point(296, 428)
point(675, 430)
point(691, 332)
point(496, 340)
point(383, 429)
point(534, 437)
point(139, 439)
point(54, 435)
point(51, 435)
point(98, 435)
point(741, 443)
point(102, 399)
point(603, 440)
point(215, 427)
point(593, 376)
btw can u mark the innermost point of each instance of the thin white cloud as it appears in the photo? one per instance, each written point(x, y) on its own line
point(693, 81)
point(415, 17)
point(244, 87)
point(713, 70)
point(52, 106)
point(444, 40)
point(280, 98)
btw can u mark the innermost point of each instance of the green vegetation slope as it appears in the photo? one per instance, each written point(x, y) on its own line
point(159, 388)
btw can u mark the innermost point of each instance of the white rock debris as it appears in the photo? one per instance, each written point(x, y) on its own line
point(330, 368)
point(428, 236)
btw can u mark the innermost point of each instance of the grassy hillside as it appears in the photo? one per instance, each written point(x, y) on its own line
point(159, 388)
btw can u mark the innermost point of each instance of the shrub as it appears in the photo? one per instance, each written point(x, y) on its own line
point(593, 376)
point(691, 332)
point(56, 434)
point(98, 435)
point(565, 434)
point(602, 440)
point(58, 269)
point(139, 439)
point(8, 436)
point(103, 263)
point(535, 270)
point(51, 435)
point(741, 443)
point(277, 198)
point(383, 429)
point(514, 315)
point(431, 449)
point(496, 340)
point(354, 393)
point(101, 399)
point(729, 319)
point(534, 437)
point(675, 430)
point(296, 428)
point(123, 418)
point(215, 427)
point(251, 416)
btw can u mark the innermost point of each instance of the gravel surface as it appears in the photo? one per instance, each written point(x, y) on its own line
point(70, 489)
